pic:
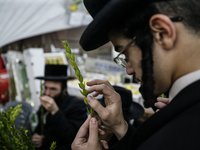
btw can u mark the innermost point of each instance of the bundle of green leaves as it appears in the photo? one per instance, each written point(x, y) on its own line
point(10, 137)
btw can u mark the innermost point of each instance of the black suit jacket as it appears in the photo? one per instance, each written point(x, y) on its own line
point(64, 124)
point(175, 127)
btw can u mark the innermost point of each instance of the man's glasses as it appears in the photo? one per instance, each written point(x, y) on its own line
point(121, 60)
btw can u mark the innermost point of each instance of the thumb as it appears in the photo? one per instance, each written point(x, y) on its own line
point(93, 133)
point(96, 105)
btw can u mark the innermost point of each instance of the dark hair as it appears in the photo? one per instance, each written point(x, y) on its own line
point(188, 9)
point(63, 85)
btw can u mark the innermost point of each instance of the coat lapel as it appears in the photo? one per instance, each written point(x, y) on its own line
point(186, 98)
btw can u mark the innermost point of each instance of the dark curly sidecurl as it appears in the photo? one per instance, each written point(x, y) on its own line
point(147, 88)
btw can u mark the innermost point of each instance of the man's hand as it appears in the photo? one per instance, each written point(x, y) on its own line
point(49, 104)
point(162, 102)
point(111, 115)
point(37, 140)
point(87, 137)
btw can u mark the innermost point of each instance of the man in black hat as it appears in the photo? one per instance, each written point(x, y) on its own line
point(158, 41)
point(63, 114)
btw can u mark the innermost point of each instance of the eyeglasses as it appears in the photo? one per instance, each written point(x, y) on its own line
point(121, 60)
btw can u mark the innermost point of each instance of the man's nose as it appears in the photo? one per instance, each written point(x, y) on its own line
point(129, 69)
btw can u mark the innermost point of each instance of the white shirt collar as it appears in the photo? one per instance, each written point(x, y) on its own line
point(182, 82)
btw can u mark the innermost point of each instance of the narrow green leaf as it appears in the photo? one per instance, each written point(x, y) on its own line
point(80, 78)
point(72, 57)
point(68, 55)
point(81, 92)
point(76, 67)
point(72, 62)
point(88, 111)
point(64, 43)
point(67, 48)
point(81, 85)
point(85, 101)
point(85, 92)
point(91, 110)
point(77, 73)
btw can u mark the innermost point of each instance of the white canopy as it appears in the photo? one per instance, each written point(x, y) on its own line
point(21, 19)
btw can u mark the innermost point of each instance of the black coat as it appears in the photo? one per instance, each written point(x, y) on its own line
point(64, 124)
point(175, 127)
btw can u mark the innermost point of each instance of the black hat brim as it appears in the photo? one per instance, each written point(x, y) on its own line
point(136, 111)
point(96, 33)
point(52, 78)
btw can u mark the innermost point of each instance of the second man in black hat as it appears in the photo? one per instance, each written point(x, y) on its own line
point(63, 114)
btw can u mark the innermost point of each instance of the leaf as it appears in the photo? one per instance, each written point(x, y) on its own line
point(68, 55)
point(67, 49)
point(53, 146)
point(91, 110)
point(81, 92)
point(96, 116)
point(72, 62)
point(80, 78)
point(85, 101)
point(163, 95)
point(76, 67)
point(85, 92)
point(77, 73)
point(64, 43)
point(88, 111)
point(81, 85)
point(73, 57)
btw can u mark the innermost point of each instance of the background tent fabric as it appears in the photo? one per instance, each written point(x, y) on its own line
point(22, 19)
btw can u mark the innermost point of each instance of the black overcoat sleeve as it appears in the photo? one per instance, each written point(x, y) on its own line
point(124, 143)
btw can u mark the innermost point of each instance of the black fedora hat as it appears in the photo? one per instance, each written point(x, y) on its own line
point(131, 110)
point(55, 73)
point(105, 14)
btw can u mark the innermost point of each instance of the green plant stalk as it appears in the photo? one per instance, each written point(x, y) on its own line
point(84, 92)
point(41, 110)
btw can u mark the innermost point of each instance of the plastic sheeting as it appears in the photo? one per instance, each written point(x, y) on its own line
point(20, 19)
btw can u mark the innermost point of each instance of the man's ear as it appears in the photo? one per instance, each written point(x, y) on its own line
point(163, 30)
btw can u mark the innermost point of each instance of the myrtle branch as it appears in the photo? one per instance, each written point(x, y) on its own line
point(81, 84)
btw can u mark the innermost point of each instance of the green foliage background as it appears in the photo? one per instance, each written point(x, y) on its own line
point(10, 137)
